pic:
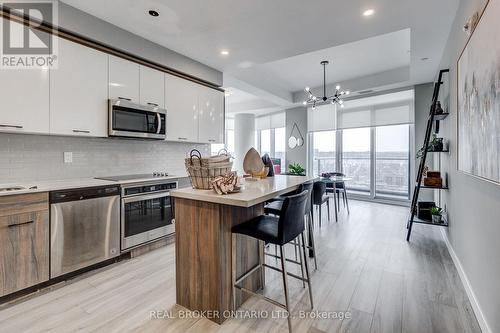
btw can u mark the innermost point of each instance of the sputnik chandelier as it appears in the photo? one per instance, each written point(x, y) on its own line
point(336, 98)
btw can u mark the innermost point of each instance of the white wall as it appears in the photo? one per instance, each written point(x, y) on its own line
point(473, 204)
point(423, 101)
point(298, 154)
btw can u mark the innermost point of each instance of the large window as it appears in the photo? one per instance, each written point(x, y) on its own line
point(392, 160)
point(324, 152)
point(368, 140)
point(376, 159)
point(356, 158)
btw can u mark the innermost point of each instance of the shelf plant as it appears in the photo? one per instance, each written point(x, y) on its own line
point(436, 213)
point(436, 144)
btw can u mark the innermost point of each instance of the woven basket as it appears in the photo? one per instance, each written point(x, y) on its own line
point(202, 171)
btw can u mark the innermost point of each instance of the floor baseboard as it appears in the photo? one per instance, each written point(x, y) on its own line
point(467, 286)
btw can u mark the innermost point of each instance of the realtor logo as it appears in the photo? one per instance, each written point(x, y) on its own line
point(24, 44)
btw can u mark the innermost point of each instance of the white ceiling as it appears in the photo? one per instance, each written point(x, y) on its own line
point(347, 61)
point(275, 46)
point(239, 101)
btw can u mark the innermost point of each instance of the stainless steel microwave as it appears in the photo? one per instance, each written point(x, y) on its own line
point(127, 119)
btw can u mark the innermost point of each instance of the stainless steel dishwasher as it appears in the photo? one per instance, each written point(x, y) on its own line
point(84, 228)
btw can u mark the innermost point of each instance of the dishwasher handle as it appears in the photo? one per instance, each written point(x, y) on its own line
point(83, 194)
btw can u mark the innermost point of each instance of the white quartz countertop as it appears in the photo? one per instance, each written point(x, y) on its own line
point(253, 192)
point(56, 185)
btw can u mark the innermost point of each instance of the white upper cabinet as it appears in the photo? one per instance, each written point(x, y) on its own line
point(181, 102)
point(24, 100)
point(211, 115)
point(152, 87)
point(123, 79)
point(79, 91)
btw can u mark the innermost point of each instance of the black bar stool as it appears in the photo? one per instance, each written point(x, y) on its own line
point(320, 197)
point(275, 207)
point(279, 231)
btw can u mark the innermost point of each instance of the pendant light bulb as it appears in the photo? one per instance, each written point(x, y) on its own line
point(304, 102)
point(337, 87)
point(307, 89)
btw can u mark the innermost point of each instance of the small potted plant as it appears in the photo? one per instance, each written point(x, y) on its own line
point(296, 169)
point(436, 213)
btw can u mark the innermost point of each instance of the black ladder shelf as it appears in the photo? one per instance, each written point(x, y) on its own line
point(428, 132)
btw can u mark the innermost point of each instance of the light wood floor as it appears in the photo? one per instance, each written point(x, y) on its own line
point(365, 267)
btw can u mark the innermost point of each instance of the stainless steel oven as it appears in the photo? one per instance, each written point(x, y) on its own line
point(127, 119)
point(147, 213)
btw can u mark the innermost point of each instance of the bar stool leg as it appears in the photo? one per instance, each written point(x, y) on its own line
point(320, 215)
point(285, 285)
point(307, 271)
point(312, 214)
point(310, 233)
point(233, 269)
point(262, 262)
point(301, 262)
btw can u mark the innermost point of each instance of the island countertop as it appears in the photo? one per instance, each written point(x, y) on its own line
point(253, 192)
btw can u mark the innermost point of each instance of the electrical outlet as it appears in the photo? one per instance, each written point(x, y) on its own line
point(68, 157)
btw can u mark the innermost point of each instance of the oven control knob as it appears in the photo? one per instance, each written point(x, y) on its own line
point(173, 221)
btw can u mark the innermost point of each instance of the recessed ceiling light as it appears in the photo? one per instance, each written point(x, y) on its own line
point(154, 13)
point(224, 52)
point(368, 12)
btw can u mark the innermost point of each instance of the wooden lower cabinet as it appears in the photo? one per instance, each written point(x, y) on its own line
point(24, 242)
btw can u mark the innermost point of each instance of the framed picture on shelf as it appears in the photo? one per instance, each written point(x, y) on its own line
point(479, 99)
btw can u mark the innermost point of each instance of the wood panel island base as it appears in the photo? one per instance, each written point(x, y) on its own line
point(204, 243)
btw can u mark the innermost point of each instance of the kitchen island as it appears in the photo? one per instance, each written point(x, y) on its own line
point(204, 242)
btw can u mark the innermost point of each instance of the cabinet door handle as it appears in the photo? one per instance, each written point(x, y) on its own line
point(211, 140)
point(81, 131)
point(182, 138)
point(153, 104)
point(22, 223)
point(125, 98)
point(10, 126)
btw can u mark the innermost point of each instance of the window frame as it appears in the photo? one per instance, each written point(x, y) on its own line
point(372, 195)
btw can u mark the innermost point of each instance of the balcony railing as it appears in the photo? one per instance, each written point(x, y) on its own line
point(392, 174)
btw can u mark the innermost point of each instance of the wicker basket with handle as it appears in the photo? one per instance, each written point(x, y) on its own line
point(202, 171)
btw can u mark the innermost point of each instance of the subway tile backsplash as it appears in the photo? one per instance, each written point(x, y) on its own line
point(38, 157)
